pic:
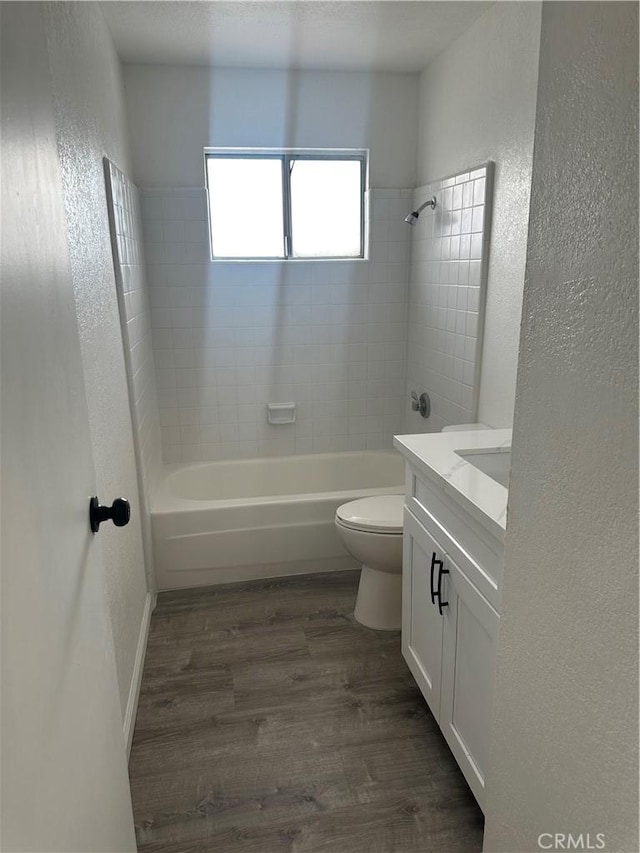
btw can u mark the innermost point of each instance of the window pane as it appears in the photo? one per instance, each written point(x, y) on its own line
point(326, 208)
point(245, 205)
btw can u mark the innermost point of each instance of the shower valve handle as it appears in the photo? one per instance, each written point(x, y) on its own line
point(421, 404)
point(119, 512)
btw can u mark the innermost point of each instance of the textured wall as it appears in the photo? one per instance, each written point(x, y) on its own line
point(175, 111)
point(91, 123)
point(448, 276)
point(565, 734)
point(230, 337)
point(477, 103)
point(63, 770)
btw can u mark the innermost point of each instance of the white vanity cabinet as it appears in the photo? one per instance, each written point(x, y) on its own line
point(470, 636)
point(422, 634)
point(450, 621)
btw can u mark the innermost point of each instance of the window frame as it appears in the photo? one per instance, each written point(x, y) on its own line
point(287, 156)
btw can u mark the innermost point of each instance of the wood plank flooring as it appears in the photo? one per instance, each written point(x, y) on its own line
point(271, 722)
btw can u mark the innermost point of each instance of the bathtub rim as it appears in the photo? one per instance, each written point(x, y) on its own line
point(164, 502)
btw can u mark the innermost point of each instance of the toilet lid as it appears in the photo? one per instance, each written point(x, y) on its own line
point(381, 514)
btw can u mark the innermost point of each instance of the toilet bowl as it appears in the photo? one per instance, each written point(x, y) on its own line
point(371, 530)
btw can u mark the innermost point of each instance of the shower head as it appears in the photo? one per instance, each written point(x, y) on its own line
point(412, 218)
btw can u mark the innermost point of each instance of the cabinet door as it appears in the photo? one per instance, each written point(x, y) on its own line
point(468, 666)
point(421, 621)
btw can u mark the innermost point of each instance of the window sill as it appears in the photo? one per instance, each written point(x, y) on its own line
point(288, 260)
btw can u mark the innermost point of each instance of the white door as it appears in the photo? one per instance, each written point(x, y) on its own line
point(64, 773)
point(422, 623)
point(468, 669)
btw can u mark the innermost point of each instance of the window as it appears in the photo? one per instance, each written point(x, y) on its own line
point(286, 204)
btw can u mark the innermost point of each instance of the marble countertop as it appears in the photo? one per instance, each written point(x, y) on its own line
point(434, 456)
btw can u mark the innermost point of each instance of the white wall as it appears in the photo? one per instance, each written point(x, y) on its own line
point(64, 772)
point(231, 337)
point(228, 338)
point(477, 103)
point(91, 123)
point(565, 734)
point(448, 282)
point(175, 111)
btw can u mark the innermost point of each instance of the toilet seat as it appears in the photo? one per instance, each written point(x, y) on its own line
point(381, 514)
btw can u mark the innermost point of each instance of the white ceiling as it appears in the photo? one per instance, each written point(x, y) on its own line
point(313, 34)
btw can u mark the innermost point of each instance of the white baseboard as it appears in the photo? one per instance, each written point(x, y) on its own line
point(138, 666)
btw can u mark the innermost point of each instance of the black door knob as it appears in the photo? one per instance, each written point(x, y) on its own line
point(119, 512)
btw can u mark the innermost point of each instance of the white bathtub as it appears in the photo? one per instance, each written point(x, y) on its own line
point(225, 521)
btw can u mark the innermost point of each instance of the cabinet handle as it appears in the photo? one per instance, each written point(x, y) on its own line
point(441, 603)
point(434, 563)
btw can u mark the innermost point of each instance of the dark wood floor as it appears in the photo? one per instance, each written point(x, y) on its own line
point(270, 721)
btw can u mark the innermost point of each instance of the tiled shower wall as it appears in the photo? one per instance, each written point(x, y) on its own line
point(228, 338)
point(135, 316)
point(449, 255)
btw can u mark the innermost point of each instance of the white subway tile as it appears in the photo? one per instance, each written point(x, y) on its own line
point(468, 374)
point(166, 378)
point(465, 246)
point(208, 418)
point(379, 208)
point(473, 300)
point(479, 187)
point(478, 219)
point(467, 194)
point(187, 398)
point(153, 231)
point(191, 453)
point(476, 246)
point(164, 358)
point(167, 397)
point(185, 378)
point(170, 434)
point(444, 300)
point(265, 332)
point(171, 453)
point(469, 349)
point(150, 206)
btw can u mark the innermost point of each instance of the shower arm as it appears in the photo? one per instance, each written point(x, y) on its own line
point(430, 203)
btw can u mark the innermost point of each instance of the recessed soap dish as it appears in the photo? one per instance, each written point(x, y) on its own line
point(281, 413)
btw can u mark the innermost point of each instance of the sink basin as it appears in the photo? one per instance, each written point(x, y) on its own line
point(495, 462)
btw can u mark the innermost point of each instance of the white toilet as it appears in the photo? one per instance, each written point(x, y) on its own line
point(371, 530)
